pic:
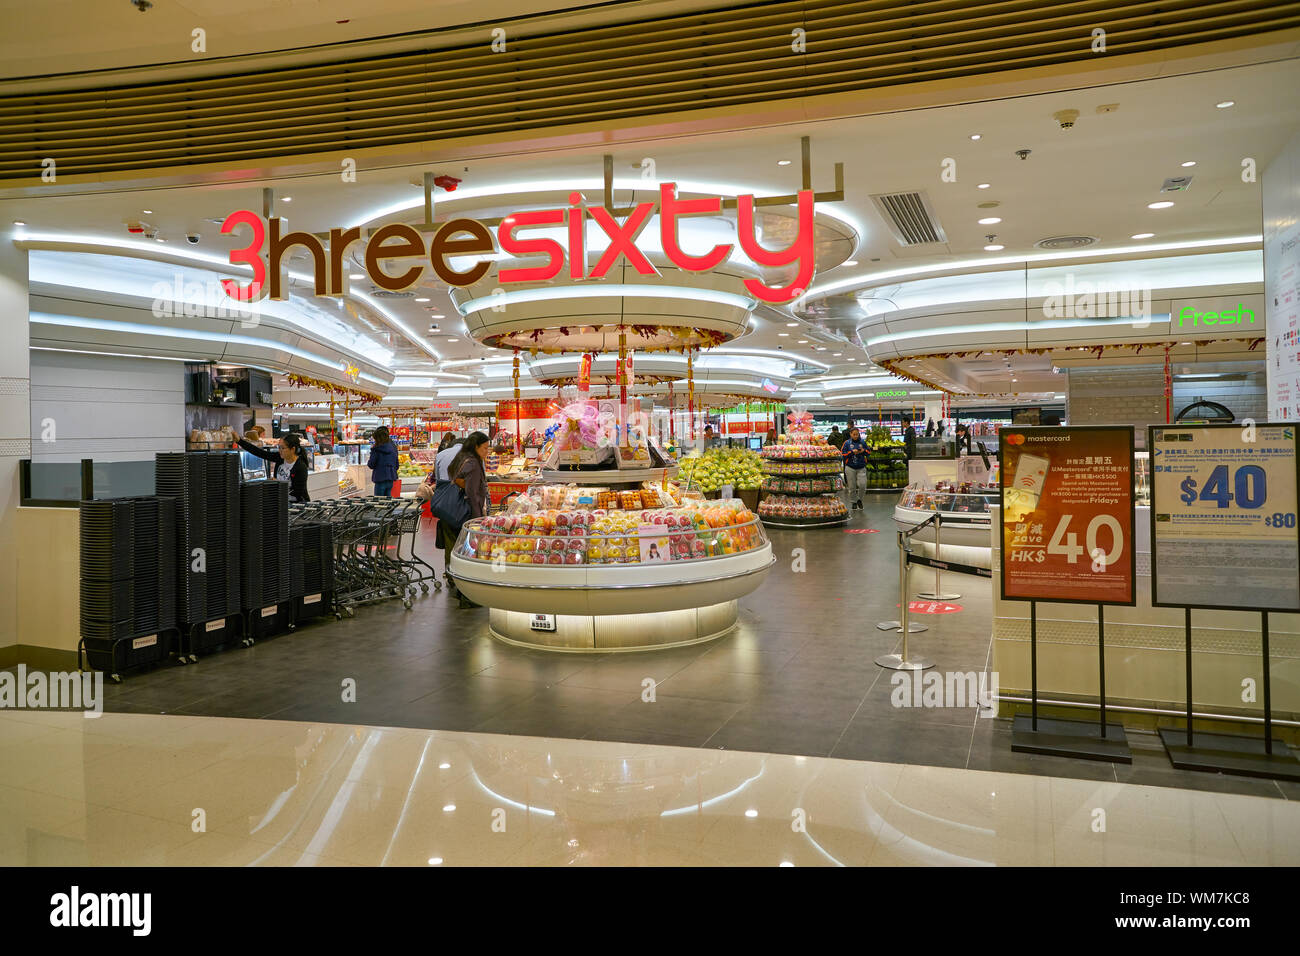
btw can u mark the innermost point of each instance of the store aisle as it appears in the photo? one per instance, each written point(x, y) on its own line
point(797, 677)
point(126, 789)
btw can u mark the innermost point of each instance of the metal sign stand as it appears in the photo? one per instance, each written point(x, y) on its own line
point(1069, 738)
point(1230, 753)
point(938, 593)
point(904, 662)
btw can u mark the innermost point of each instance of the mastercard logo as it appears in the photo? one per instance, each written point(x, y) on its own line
point(1015, 439)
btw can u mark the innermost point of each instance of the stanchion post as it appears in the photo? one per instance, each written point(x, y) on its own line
point(902, 662)
point(938, 593)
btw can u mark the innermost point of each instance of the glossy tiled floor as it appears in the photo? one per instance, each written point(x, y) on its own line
point(128, 789)
point(797, 677)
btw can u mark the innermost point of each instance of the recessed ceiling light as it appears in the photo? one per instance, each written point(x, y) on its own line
point(994, 247)
point(1225, 104)
point(836, 354)
point(147, 212)
point(20, 222)
point(751, 813)
point(1190, 162)
point(783, 162)
point(783, 335)
point(974, 135)
point(435, 861)
point(850, 262)
point(983, 185)
point(989, 221)
point(1162, 204)
point(421, 300)
point(803, 341)
point(436, 315)
point(448, 808)
point(786, 863)
point(159, 239)
point(286, 199)
point(1142, 235)
point(852, 360)
point(453, 340)
point(791, 325)
point(1184, 343)
point(356, 275)
point(821, 348)
point(444, 766)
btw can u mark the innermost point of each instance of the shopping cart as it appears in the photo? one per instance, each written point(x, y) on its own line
point(368, 561)
point(407, 527)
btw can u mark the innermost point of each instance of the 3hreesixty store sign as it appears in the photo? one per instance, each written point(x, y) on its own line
point(463, 238)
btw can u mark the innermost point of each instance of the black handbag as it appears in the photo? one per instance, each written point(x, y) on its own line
point(449, 505)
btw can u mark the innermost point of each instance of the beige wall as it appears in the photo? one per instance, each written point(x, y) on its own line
point(48, 577)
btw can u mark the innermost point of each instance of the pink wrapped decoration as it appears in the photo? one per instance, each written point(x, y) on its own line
point(579, 426)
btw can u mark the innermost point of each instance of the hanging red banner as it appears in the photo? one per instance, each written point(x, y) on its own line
point(584, 373)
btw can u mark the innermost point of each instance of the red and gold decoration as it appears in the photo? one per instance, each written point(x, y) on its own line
point(333, 388)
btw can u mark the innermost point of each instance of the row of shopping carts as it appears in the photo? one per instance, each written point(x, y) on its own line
point(375, 556)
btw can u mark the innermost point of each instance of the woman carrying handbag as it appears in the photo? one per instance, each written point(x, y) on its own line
point(464, 497)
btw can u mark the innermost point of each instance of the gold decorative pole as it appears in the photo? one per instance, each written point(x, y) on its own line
point(519, 439)
point(690, 390)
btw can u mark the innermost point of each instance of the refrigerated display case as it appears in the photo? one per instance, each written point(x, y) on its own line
point(612, 579)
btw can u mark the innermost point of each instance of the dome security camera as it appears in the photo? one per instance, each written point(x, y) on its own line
point(192, 238)
point(1023, 153)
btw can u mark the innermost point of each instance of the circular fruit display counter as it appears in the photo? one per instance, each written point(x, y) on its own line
point(609, 580)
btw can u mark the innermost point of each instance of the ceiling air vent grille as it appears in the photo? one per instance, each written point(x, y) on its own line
point(1065, 242)
point(609, 64)
point(910, 218)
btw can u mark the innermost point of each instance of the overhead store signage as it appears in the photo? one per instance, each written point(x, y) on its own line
point(1067, 514)
point(1223, 517)
point(893, 393)
point(388, 245)
point(1189, 316)
point(529, 408)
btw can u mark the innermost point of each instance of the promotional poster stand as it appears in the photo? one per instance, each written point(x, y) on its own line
point(1241, 754)
point(1059, 736)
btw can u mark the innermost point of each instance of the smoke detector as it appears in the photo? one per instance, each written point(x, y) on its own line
point(1066, 118)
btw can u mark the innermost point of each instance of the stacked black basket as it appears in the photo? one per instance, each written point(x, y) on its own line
point(128, 581)
point(264, 567)
point(206, 488)
point(311, 545)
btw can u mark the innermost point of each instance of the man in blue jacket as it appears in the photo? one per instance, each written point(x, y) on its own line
point(854, 452)
point(383, 462)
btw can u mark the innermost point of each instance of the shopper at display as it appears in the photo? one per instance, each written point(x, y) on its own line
point(835, 438)
point(442, 461)
point(471, 476)
point(710, 440)
point(854, 451)
point(383, 462)
point(929, 428)
point(909, 440)
point(964, 441)
point(771, 437)
point(290, 463)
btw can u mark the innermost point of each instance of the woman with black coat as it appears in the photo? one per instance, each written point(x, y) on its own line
point(383, 462)
point(290, 463)
point(467, 470)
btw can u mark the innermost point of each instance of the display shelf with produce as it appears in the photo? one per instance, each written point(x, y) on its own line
point(608, 579)
point(887, 467)
point(802, 479)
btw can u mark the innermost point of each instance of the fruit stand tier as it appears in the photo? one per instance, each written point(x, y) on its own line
point(609, 476)
point(798, 494)
point(809, 522)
